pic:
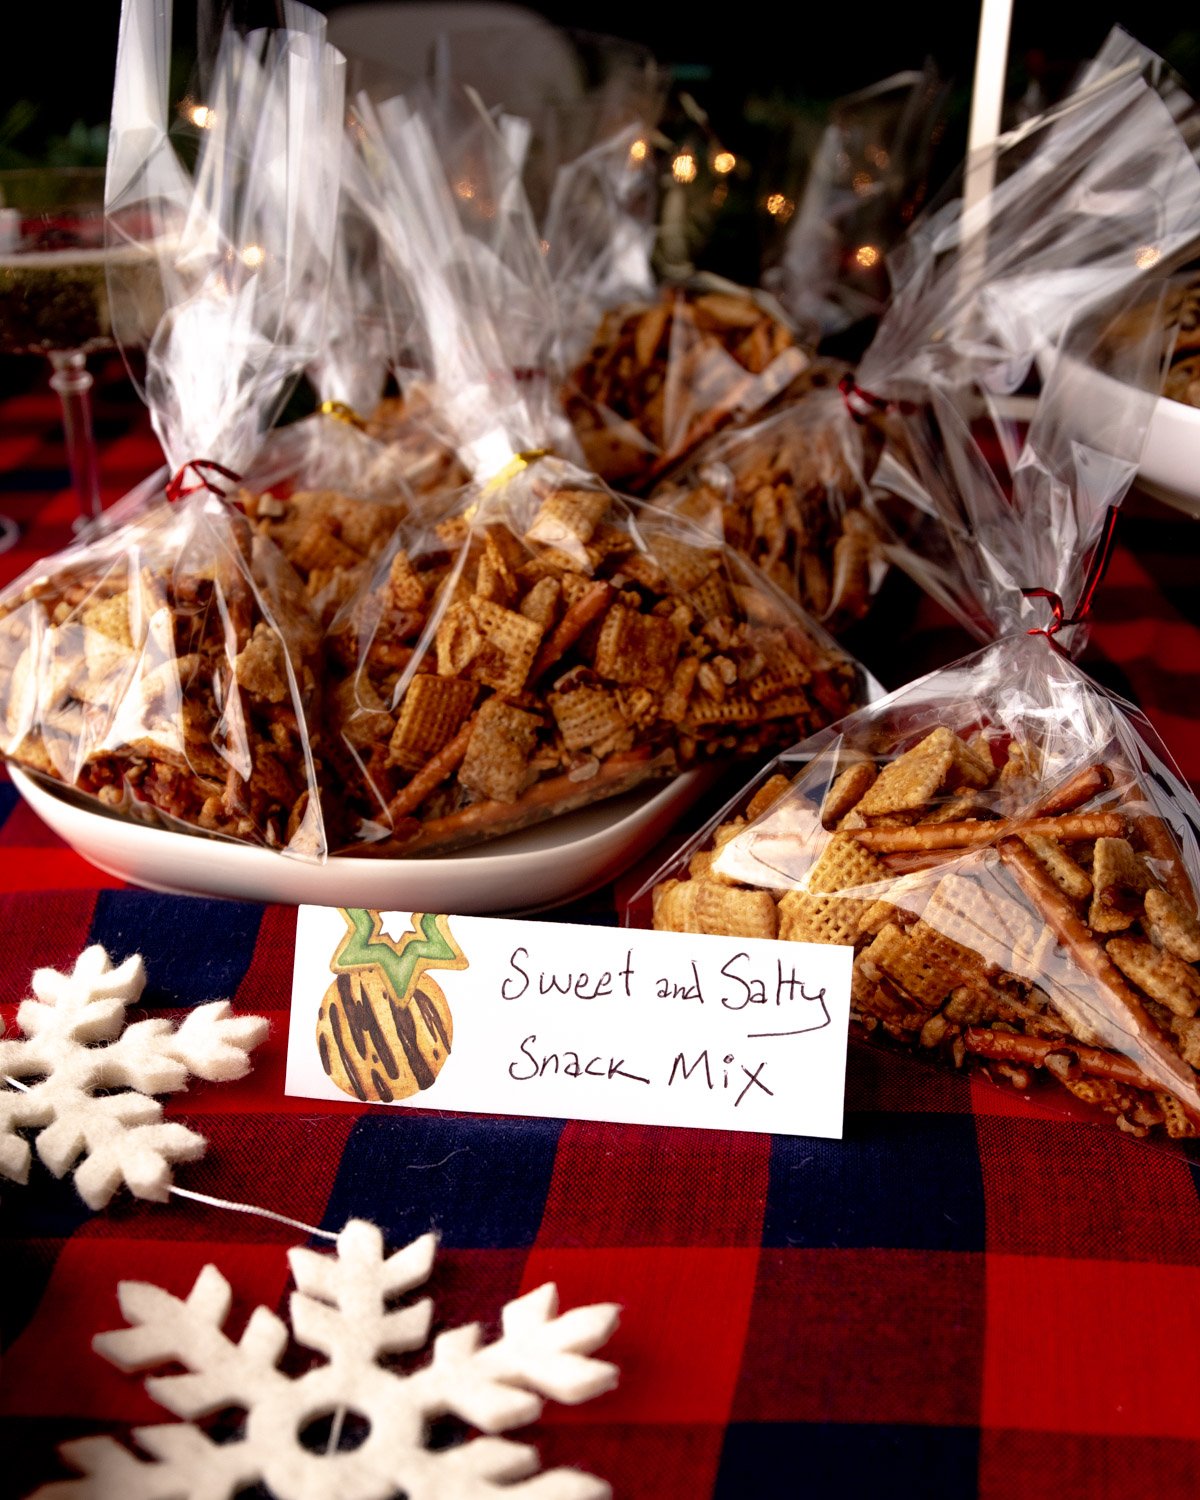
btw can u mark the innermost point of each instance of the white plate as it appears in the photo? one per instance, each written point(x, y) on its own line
point(1171, 458)
point(1170, 463)
point(537, 867)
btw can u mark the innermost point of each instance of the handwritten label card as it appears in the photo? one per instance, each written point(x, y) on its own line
point(590, 1023)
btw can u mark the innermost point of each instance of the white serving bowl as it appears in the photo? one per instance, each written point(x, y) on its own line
point(536, 867)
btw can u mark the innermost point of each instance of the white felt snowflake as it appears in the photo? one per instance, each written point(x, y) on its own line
point(96, 1077)
point(342, 1308)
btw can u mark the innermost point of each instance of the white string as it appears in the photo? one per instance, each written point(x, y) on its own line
point(335, 1430)
point(239, 1208)
point(251, 1208)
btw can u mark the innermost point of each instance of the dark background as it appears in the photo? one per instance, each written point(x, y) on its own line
point(765, 74)
point(64, 63)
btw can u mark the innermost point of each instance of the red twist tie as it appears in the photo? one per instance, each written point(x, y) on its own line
point(1097, 568)
point(860, 403)
point(201, 468)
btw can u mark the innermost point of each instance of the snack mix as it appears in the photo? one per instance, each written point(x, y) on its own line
point(174, 673)
point(559, 647)
point(788, 494)
point(1039, 931)
point(660, 379)
point(1183, 376)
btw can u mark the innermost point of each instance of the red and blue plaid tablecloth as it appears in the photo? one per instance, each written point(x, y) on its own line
point(965, 1297)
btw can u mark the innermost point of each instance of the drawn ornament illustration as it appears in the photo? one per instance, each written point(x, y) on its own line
point(385, 1030)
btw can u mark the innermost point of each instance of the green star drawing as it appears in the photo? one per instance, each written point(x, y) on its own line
point(428, 945)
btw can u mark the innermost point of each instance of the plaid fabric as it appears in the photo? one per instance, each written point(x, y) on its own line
point(965, 1297)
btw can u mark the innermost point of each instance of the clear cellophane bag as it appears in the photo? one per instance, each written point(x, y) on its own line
point(1013, 858)
point(599, 230)
point(790, 493)
point(1012, 414)
point(166, 664)
point(664, 373)
point(646, 374)
point(868, 176)
point(1005, 844)
point(546, 642)
point(330, 489)
point(170, 670)
point(340, 447)
point(556, 645)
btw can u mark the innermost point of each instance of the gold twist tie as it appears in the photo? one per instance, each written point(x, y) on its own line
point(342, 413)
point(512, 468)
point(505, 476)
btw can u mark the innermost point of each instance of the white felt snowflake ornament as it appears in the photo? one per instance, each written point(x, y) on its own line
point(341, 1308)
point(92, 1078)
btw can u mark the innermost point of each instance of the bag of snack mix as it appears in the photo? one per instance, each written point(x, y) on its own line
point(1000, 294)
point(647, 375)
point(167, 665)
point(1004, 843)
point(548, 642)
point(789, 493)
point(675, 384)
point(1013, 859)
point(793, 484)
point(662, 375)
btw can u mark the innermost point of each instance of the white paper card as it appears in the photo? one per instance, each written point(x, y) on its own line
point(590, 1023)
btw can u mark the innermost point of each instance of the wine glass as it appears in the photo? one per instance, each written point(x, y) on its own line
point(54, 298)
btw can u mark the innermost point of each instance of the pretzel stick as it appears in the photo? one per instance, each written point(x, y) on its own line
point(828, 694)
point(910, 862)
point(1078, 941)
point(587, 609)
point(1160, 845)
point(548, 798)
point(429, 777)
point(1032, 1051)
point(926, 837)
point(1081, 788)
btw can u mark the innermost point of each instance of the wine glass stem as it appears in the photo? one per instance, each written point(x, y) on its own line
point(74, 384)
